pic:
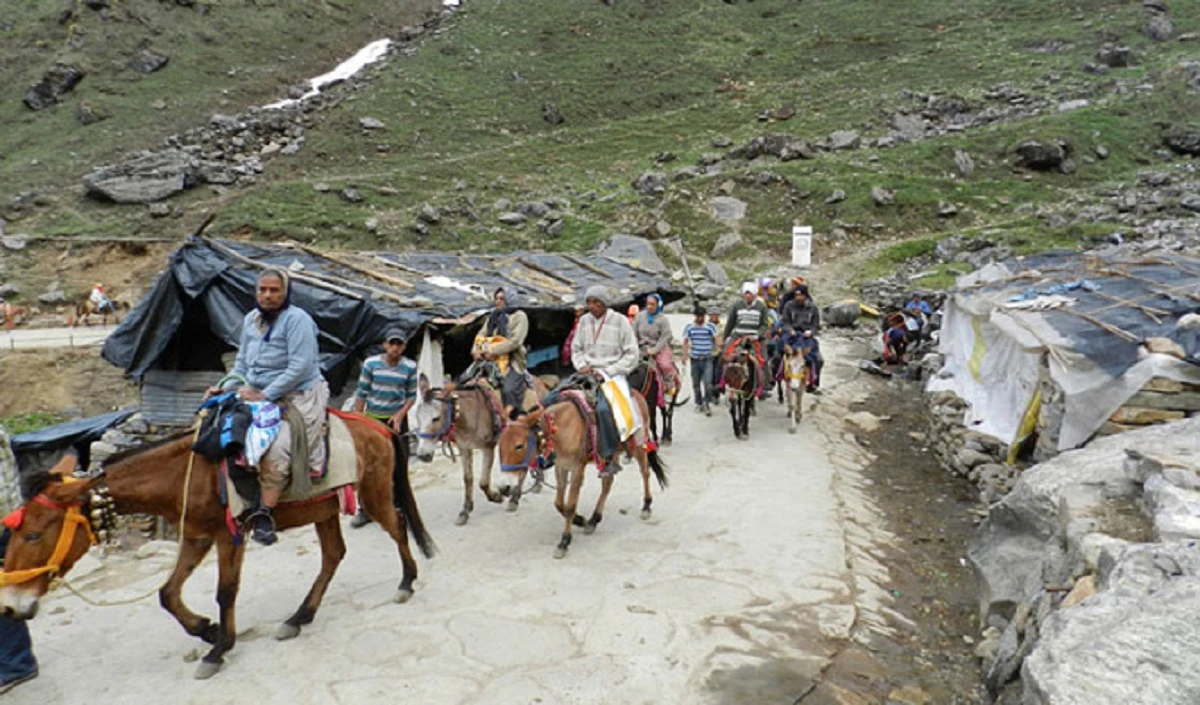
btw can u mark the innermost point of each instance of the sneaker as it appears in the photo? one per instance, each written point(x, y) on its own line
point(360, 520)
point(8, 685)
point(264, 527)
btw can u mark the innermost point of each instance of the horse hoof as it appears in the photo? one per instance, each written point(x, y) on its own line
point(403, 595)
point(560, 552)
point(645, 514)
point(536, 489)
point(462, 518)
point(589, 529)
point(665, 442)
point(512, 507)
point(744, 438)
point(287, 631)
point(206, 670)
point(792, 428)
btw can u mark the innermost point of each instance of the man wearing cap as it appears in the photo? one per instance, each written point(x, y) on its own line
point(387, 388)
point(803, 316)
point(748, 320)
point(605, 345)
point(502, 341)
point(699, 343)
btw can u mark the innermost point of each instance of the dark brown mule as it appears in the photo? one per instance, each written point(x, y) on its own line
point(742, 376)
point(465, 416)
point(150, 480)
point(564, 427)
point(647, 380)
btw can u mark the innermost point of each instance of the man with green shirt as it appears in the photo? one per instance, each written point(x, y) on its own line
point(387, 388)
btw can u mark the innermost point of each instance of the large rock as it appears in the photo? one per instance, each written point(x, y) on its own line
point(728, 208)
point(716, 273)
point(1042, 155)
point(882, 196)
point(726, 243)
point(1159, 27)
point(906, 126)
point(1114, 56)
point(843, 139)
point(1133, 643)
point(963, 163)
point(785, 147)
point(637, 251)
point(1183, 142)
point(55, 83)
point(147, 61)
point(651, 183)
point(147, 178)
point(844, 313)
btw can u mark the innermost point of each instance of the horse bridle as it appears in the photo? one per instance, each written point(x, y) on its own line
point(98, 525)
point(531, 451)
point(445, 434)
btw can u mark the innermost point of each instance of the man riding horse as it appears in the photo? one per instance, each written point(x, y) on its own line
point(748, 322)
point(277, 361)
point(605, 346)
point(501, 342)
point(802, 316)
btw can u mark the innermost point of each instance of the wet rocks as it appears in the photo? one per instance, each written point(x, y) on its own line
point(55, 83)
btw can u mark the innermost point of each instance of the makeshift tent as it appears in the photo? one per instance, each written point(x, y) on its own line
point(194, 313)
point(1084, 321)
point(39, 449)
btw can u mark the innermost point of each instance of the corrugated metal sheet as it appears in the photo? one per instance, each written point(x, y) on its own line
point(170, 398)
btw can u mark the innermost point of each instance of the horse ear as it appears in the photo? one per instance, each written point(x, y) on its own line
point(65, 467)
point(533, 416)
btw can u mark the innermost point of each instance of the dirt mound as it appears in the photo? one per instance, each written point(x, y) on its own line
point(63, 382)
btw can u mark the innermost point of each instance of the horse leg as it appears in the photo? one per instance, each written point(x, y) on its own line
point(560, 487)
point(569, 511)
point(668, 414)
point(598, 513)
point(229, 576)
point(647, 500)
point(485, 484)
point(467, 458)
point(333, 549)
point(514, 497)
point(376, 494)
point(170, 595)
point(750, 411)
point(733, 414)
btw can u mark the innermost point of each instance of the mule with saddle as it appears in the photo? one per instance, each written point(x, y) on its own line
point(584, 421)
point(190, 480)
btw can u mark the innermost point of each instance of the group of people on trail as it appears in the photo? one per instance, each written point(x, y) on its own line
point(903, 328)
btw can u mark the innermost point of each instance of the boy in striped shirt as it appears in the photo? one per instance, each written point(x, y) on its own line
point(387, 388)
point(699, 342)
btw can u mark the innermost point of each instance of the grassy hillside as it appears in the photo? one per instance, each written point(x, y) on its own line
point(465, 129)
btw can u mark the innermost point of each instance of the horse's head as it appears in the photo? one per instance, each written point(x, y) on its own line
point(432, 417)
point(49, 534)
point(518, 442)
point(736, 373)
point(794, 370)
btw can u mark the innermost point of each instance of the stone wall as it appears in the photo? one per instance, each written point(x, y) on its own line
point(976, 456)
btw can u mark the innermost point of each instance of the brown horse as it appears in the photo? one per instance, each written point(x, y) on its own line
point(150, 480)
point(742, 376)
point(85, 309)
point(466, 416)
point(12, 314)
point(563, 426)
point(647, 380)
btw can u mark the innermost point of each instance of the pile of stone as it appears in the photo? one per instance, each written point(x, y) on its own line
point(967, 453)
point(1085, 569)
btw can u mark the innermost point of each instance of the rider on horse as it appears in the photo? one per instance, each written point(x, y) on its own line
point(604, 345)
point(748, 321)
point(99, 300)
point(278, 360)
point(802, 315)
point(654, 337)
point(501, 342)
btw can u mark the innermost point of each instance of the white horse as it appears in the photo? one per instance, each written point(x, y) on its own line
point(796, 374)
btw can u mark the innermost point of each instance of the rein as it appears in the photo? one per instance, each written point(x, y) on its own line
point(445, 434)
point(531, 451)
point(71, 522)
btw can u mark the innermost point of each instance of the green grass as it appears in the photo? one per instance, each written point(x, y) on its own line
point(29, 421)
point(631, 80)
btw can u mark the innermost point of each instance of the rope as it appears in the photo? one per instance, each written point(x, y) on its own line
point(187, 482)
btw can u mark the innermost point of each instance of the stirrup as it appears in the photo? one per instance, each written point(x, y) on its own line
point(263, 522)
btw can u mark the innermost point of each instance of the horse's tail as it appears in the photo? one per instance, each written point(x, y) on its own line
point(408, 502)
point(659, 468)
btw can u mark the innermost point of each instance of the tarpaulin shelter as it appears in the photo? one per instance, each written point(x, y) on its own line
point(39, 449)
point(194, 313)
point(1100, 328)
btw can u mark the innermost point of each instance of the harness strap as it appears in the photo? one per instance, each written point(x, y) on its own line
point(73, 520)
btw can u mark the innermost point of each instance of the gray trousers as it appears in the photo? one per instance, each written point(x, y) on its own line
point(702, 379)
point(311, 405)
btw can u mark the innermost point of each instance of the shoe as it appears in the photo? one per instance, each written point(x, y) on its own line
point(612, 467)
point(264, 526)
point(8, 685)
point(707, 410)
point(360, 520)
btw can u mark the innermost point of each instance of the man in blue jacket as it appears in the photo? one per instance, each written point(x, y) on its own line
point(278, 360)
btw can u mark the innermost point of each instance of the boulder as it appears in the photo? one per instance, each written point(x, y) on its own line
point(370, 123)
point(963, 163)
point(1191, 202)
point(55, 83)
point(1041, 155)
point(882, 196)
point(650, 183)
point(1183, 142)
point(726, 243)
point(843, 139)
point(90, 113)
point(709, 290)
point(512, 218)
point(836, 197)
point(842, 314)
point(429, 214)
point(716, 273)
point(1159, 27)
point(150, 177)
point(637, 251)
point(147, 61)
point(14, 242)
point(1131, 643)
point(551, 113)
point(785, 147)
point(728, 208)
point(1114, 56)
point(907, 127)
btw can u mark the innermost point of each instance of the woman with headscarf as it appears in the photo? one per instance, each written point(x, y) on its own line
point(653, 333)
point(278, 362)
point(502, 341)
